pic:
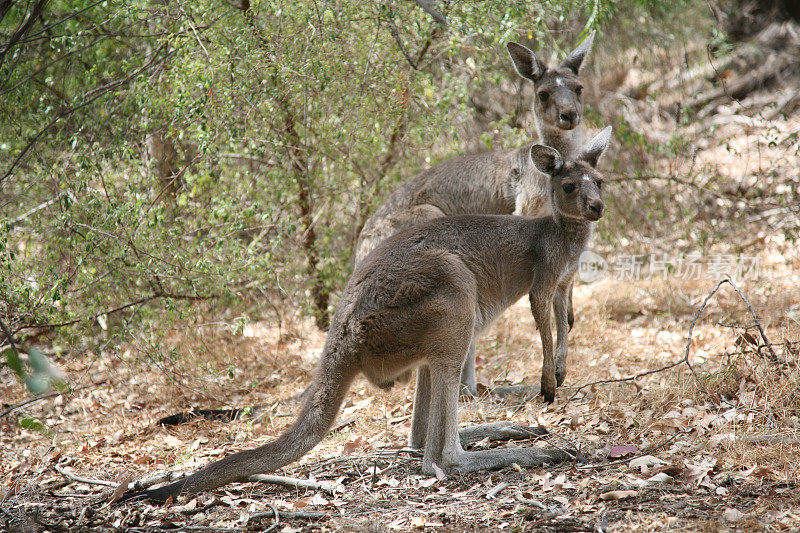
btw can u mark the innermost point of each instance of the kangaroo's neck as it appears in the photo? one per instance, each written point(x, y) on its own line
point(567, 142)
point(575, 233)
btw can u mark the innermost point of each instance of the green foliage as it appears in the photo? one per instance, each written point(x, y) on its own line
point(37, 372)
point(285, 116)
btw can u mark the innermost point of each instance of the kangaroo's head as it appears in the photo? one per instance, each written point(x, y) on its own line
point(559, 93)
point(576, 186)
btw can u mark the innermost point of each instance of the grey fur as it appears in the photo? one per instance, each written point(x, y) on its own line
point(418, 301)
point(499, 182)
point(495, 183)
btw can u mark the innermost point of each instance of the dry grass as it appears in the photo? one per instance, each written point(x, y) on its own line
point(108, 428)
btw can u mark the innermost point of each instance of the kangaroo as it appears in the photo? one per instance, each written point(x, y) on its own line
point(418, 301)
point(487, 183)
point(499, 182)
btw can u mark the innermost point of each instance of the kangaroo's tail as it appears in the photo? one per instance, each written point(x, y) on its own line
point(321, 405)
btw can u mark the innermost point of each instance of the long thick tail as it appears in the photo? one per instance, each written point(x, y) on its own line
point(322, 402)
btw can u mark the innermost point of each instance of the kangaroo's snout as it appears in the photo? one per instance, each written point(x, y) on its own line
point(595, 209)
point(568, 119)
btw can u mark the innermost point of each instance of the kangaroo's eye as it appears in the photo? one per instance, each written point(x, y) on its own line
point(579, 90)
point(569, 188)
point(599, 184)
point(543, 96)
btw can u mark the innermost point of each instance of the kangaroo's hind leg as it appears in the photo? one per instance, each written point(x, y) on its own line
point(443, 445)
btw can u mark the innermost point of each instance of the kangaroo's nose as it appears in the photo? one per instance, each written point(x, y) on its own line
point(568, 116)
point(596, 208)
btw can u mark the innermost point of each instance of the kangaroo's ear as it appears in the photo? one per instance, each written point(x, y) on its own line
point(546, 159)
point(575, 59)
point(592, 152)
point(525, 61)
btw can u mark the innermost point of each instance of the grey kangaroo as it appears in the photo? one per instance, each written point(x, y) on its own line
point(418, 301)
point(500, 182)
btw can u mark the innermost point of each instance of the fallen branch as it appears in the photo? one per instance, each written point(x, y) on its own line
point(274, 514)
point(88, 481)
point(330, 487)
point(685, 359)
point(785, 440)
point(741, 87)
point(497, 489)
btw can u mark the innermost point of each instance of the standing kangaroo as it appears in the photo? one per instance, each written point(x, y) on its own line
point(418, 301)
point(499, 182)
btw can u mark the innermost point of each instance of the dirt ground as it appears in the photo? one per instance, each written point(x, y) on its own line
point(659, 452)
point(710, 444)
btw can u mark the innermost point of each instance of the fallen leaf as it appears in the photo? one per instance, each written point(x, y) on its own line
point(418, 521)
point(732, 515)
point(350, 447)
point(124, 480)
point(392, 482)
point(440, 475)
point(661, 477)
point(622, 450)
point(646, 461)
point(618, 495)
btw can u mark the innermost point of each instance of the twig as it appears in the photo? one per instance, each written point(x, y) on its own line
point(9, 336)
point(142, 300)
point(497, 489)
point(629, 459)
point(162, 477)
point(685, 358)
point(311, 515)
point(88, 98)
point(396, 34)
point(44, 396)
point(327, 486)
point(773, 357)
point(88, 481)
point(274, 514)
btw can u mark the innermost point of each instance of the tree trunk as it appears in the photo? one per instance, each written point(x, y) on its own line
point(320, 293)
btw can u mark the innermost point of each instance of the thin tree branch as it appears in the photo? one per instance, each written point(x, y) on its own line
point(128, 305)
point(428, 7)
point(24, 28)
point(396, 35)
point(685, 359)
point(92, 95)
point(13, 407)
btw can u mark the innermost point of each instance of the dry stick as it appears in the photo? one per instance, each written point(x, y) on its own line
point(685, 358)
point(266, 515)
point(9, 336)
point(772, 357)
point(327, 486)
point(88, 481)
point(14, 407)
point(628, 459)
point(310, 515)
point(497, 489)
point(147, 482)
